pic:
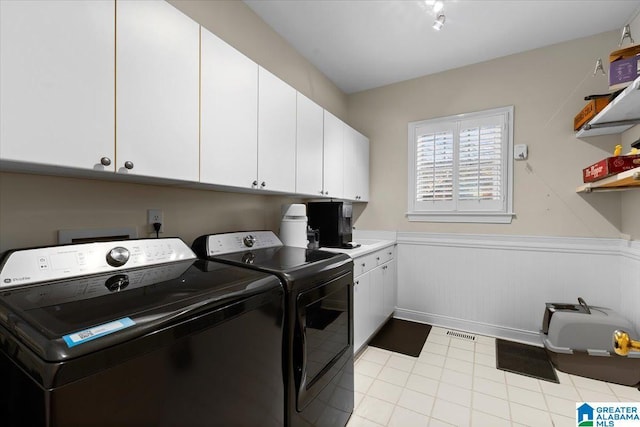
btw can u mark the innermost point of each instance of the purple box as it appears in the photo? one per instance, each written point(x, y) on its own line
point(623, 71)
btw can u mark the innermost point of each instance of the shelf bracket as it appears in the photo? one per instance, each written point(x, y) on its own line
point(609, 124)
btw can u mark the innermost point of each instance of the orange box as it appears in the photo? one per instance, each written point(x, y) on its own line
point(589, 111)
point(610, 166)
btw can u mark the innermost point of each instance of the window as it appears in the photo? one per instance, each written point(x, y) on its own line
point(460, 168)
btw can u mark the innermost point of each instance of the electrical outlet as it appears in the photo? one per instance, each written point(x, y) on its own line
point(155, 215)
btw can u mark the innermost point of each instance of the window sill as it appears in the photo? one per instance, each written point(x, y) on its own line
point(469, 217)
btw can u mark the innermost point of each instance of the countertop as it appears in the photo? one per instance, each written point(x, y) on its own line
point(366, 247)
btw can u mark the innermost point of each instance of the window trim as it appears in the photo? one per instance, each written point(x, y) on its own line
point(502, 216)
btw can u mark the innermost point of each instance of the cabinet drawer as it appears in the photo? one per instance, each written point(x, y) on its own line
point(363, 264)
point(384, 255)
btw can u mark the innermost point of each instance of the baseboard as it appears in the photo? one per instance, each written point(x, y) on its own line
point(526, 337)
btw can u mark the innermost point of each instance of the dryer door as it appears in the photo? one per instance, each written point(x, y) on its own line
point(323, 340)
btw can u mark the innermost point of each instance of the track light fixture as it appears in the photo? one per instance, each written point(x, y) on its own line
point(439, 22)
point(437, 8)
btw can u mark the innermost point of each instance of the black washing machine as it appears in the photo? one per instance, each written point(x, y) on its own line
point(137, 333)
point(318, 339)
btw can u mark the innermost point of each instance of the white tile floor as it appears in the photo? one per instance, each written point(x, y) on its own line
point(454, 382)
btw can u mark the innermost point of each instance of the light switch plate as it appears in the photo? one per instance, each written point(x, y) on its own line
point(520, 152)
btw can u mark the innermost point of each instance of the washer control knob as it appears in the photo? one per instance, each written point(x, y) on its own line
point(249, 240)
point(105, 161)
point(117, 283)
point(118, 256)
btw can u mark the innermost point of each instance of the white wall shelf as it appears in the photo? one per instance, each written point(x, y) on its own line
point(621, 114)
point(623, 181)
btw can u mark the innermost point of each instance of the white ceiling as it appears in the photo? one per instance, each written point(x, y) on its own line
point(362, 44)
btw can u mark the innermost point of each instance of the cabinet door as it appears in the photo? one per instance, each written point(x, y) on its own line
point(389, 288)
point(157, 90)
point(276, 133)
point(309, 147)
point(377, 297)
point(362, 167)
point(361, 312)
point(57, 83)
point(229, 111)
point(333, 164)
point(356, 165)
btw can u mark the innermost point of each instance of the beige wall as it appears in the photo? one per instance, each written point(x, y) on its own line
point(547, 87)
point(33, 208)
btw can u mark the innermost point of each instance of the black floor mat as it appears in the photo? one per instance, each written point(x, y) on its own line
point(402, 336)
point(524, 359)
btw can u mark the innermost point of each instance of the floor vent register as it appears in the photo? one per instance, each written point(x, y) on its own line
point(461, 335)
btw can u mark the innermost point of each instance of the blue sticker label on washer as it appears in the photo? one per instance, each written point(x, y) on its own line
point(82, 337)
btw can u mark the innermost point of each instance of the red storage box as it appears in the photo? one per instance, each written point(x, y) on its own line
point(610, 166)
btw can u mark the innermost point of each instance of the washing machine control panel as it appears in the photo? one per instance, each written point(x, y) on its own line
point(218, 244)
point(28, 266)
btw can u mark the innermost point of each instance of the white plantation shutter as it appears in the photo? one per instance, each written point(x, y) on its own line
point(480, 164)
point(461, 166)
point(435, 165)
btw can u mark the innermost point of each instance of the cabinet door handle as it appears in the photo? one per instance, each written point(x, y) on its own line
point(377, 258)
point(321, 192)
point(357, 282)
point(390, 253)
point(254, 183)
point(128, 164)
point(105, 161)
point(364, 265)
point(263, 184)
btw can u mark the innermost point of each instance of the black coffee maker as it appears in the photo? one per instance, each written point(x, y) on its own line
point(333, 221)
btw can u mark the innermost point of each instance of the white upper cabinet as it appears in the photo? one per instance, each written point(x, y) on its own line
point(356, 166)
point(136, 87)
point(333, 163)
point(229, 115)
point(157, 90)
point(309, 147)
point(57, 83)
point(276, 133)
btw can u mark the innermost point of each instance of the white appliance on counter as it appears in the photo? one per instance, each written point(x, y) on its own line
point(293, 227)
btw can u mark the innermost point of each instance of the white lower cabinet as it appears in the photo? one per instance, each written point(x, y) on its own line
point(374, 293)
point(361, 310)
point(390, 289)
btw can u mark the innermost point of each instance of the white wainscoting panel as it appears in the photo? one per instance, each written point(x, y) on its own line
point(630, 284)
point(498, 285)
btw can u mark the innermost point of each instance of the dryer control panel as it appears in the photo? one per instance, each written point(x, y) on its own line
point(28, 266)
point(242, 241)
